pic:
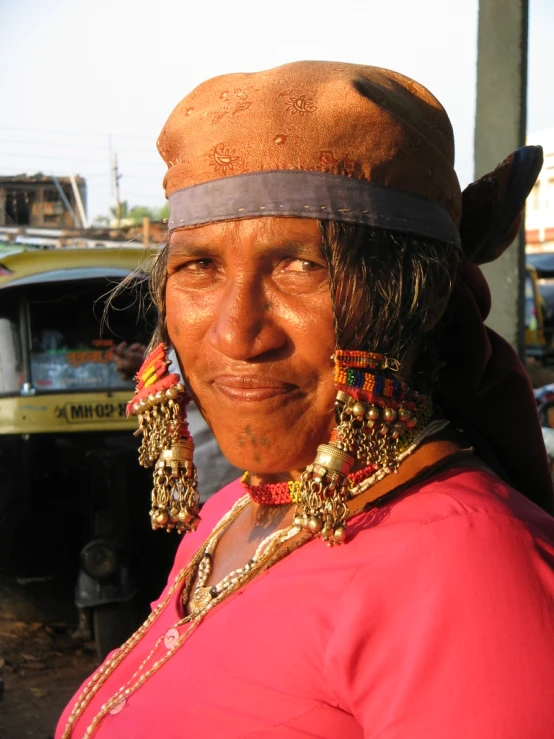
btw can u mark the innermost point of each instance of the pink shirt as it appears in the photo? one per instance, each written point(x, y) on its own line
point(435, 620)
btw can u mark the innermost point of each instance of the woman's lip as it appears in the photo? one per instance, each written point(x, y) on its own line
point(237, 387)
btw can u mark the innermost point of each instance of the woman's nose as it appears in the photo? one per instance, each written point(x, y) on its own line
point(244, 324)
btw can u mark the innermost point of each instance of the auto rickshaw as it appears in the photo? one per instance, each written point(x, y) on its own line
point(71, 490)
point(539, 308)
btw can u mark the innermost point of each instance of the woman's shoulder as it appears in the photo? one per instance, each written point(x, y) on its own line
point(465, 491)
point(465, 530)
point(467, 501)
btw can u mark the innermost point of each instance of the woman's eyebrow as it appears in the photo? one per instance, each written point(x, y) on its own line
point(292, 248)
point(184, 249)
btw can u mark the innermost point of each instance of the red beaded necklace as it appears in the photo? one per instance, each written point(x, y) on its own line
point(287, 492)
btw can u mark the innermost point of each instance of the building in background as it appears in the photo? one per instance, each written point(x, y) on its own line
point(41, 201)
point(539, 215)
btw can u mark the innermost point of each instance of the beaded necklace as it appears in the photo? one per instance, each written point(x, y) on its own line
point(286, 492)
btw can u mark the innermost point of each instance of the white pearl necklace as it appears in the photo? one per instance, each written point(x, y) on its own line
point(204, 598)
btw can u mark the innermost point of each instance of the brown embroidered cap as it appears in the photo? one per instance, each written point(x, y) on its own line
point(322, 140)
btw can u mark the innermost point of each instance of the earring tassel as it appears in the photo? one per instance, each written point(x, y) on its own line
point(160, 404)
point(322, 510)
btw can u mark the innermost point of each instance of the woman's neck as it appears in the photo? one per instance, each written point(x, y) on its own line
point(258, 478)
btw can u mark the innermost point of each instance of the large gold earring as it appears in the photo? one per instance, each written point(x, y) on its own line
point(160, 403)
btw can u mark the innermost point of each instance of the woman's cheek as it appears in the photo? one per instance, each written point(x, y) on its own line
point(180, 304)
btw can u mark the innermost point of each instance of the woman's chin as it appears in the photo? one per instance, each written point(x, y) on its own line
point(271, 465)
point(274, 444)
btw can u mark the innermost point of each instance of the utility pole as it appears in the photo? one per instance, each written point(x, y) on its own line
point(499, 129)
point(116, 178)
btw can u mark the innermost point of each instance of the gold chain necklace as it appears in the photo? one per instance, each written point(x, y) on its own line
point(104, 672)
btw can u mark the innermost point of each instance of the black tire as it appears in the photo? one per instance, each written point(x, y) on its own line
point(113, 624)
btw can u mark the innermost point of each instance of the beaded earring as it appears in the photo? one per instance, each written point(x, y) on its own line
point(160, 403)
point(376, 419)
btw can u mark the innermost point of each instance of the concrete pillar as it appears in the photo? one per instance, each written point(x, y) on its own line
point(500, 123)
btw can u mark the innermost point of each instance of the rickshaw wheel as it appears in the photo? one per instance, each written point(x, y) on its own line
point(113, 624)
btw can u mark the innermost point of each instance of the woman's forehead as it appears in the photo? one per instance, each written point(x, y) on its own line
point(265, 230)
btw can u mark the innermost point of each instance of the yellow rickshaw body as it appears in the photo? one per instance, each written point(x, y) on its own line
point(69, 411)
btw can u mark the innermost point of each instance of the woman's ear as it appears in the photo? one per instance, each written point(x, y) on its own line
point(492, 206)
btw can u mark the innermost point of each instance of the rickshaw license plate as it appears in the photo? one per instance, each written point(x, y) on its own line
point(82, 412)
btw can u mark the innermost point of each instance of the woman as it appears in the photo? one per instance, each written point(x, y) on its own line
point(316, 293)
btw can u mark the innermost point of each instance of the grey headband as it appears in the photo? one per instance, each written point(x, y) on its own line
point(308, 194)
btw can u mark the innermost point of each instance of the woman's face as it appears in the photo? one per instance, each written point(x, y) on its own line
point(250, 316)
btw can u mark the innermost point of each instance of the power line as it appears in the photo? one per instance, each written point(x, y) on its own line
point(46, 156)
point(135, 177)
point(72, 159)
point(80, 133)
point(65, 144)
point(144, 196)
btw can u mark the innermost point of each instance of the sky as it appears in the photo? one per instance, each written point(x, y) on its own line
point(83, 79)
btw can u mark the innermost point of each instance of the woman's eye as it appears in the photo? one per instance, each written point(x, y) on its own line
point(199, 264)
point(196, 265)
point(301, 265)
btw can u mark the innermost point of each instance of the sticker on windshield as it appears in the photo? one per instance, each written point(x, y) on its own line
point(97, 356)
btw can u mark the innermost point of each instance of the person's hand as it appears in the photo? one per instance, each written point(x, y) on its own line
point(128, 359)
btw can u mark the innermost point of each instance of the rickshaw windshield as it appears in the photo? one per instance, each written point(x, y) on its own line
point(11, 366)
point(70, 347)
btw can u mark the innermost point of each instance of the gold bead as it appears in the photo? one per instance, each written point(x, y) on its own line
point(358, 409)
point(339, 534)
point(389, 414)
point(315, 525)
point(161, 518)
point(373, 413)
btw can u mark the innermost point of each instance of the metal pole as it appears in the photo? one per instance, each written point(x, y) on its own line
point(146, 231)
point(65, 201)
point(116, 178)
point(78, 200)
